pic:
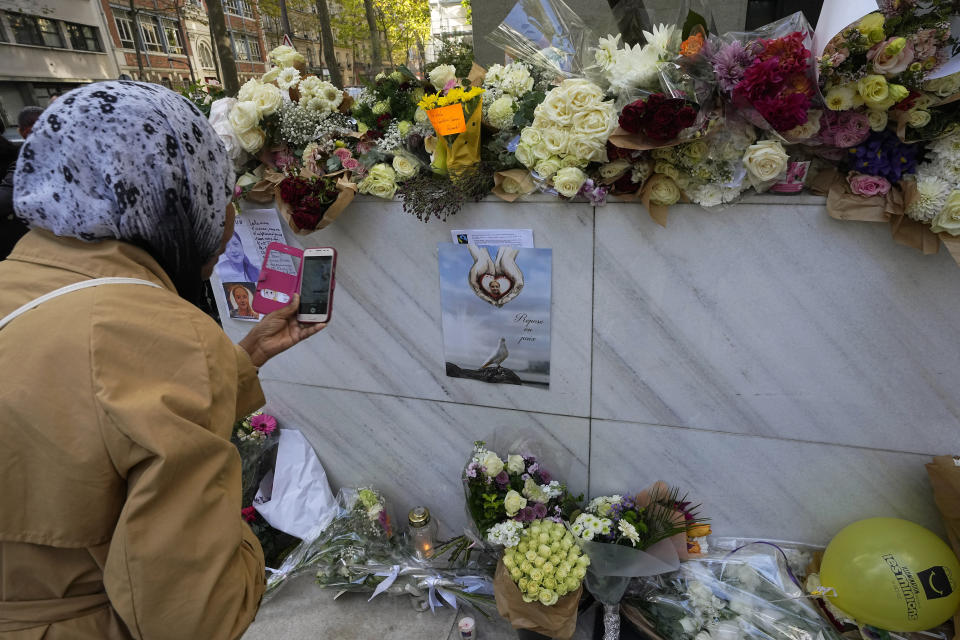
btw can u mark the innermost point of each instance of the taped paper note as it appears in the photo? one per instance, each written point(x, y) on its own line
point(448, 120)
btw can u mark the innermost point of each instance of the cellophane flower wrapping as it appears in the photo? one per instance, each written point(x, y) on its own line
point(739, 590)
point(548, 35)
point(629, 536)
point(768, 76)
point(257, 438)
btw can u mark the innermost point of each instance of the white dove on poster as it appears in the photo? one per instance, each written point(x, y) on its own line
point(495, 281)
point(498, 356)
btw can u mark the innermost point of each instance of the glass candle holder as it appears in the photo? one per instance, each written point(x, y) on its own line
point(422, 533)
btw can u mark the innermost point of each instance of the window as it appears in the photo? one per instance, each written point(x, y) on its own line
point(150, 32)
point(172, 30)
point(124, 28)
point(83, 37)
point(254, 45)
point(206, 56)
point(240, 50)
point(36, 31)
point(237, 8)
point(166, 82)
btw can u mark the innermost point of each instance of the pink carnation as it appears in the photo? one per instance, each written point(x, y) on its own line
point(264, 423)
point(350, 163)
point(865, 185)
point(343, 153)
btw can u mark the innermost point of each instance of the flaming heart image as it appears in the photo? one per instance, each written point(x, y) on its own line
point(496, 281)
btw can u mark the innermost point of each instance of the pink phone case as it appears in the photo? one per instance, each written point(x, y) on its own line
point(275, 289)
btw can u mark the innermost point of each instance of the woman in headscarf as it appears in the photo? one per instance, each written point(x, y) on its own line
point(121, 491)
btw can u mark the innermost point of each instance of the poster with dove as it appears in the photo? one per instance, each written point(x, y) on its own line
point(496, 313)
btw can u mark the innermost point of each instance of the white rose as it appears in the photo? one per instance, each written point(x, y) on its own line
point(219, 119)
point(595, 123)
point(244, 116)
point(614, 169)
point(582, 94)
point(531, 136)
point(404, 167)
point(441, 75)
point(500, 113)
point(420, 116)
point(246, 91)
point(587, 149)
point(492, 464)
point(382, 189)
point(252, 139)
point(918, 118)
point(547, 168)
point(555, 141)
point(574, 161)
point(765, 160)
point(555, 110)
point(515, 463)
point(513, 502)
point(271, 75)
point(525, 155)
point(568, 181)
point(877, 118)
point(517, 80)
point(268, 99)
point(291, 59)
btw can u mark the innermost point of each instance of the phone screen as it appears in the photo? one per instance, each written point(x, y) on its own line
point(315, 285)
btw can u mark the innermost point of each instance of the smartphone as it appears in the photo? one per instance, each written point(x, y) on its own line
point(317, 284)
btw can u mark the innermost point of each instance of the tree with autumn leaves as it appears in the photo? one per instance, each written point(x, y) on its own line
point(402, 26)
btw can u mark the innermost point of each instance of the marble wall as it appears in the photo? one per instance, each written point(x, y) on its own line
point(794, 372)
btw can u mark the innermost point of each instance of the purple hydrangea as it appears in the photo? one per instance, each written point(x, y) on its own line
point(539, 511)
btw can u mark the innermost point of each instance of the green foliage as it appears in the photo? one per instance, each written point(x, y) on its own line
point(468, 9)
point(455, 52)
point(202, 95)
point(401, 91)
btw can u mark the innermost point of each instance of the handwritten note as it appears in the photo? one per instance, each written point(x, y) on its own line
point(448, 120)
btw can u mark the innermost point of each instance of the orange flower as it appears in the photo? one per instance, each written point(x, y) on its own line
point(699, 531)
point(693, 547)
point(692, 45)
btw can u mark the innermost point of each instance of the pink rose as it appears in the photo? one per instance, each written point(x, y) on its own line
point(865, 185)
point(350, 163)
point(887, 63)
point(850, 137)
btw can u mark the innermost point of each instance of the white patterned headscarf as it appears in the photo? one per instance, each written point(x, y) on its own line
point(128, 161)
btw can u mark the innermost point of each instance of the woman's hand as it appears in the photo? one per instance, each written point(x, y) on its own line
point(277, 332)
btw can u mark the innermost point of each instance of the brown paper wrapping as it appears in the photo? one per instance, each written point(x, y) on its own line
point(263, 191)
point(626, 140)
point(476, 75)
point(842, 204)
point(945, 480)
point(347, 190)
point(522, 176)
point(952, 243)
point(657, 211)
point(558, 621)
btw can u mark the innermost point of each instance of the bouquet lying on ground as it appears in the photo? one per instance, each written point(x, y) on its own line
point(750, 592)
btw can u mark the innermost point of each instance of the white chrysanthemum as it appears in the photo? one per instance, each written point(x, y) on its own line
point(581, 526)
point(708, 195)
point(665, 39)
point(629, 532)
point(605, 55)
point(288, 78)
point(635, 67)
point(601, 505)
point(331, 94)
point(932, 192)
point(516, 80)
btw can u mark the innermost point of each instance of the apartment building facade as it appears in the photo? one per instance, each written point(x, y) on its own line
point(48, 47)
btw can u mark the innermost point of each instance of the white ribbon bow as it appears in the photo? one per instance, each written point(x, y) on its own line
point(434, 583)
point(389, 578)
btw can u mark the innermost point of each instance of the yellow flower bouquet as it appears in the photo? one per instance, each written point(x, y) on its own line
point(455, 116)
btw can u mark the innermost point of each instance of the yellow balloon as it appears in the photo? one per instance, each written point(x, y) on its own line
point(892, 574)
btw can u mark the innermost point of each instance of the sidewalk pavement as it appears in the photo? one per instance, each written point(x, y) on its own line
point(304, 611)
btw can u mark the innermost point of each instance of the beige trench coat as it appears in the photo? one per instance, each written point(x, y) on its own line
point(119, 488)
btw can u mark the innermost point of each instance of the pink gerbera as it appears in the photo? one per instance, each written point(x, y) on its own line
point(264, 423)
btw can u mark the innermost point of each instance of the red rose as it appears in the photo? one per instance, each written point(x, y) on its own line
point(625, 184)
point(686, 116)
point(306, 218)
point(664, 116)
point(615, 153)
point(383, 120)
point(249, 514)
point(631, 118)
point(656, 99)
